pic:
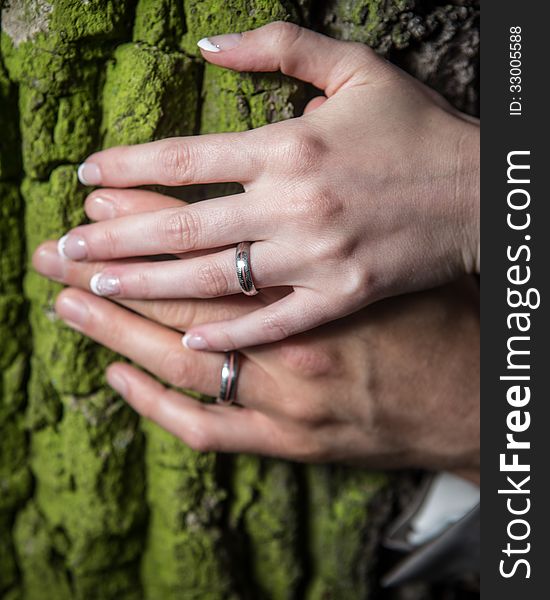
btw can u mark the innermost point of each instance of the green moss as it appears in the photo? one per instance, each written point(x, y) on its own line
point(225, 104)
point(8, 566)
point(369, 21)
point(15, 477)
point(43, 51)
point(159, 23)
point(44, 406)
point(12, 328)
point(11, 239)
point(273, 99)
point(14, 371)
point(9, 140)
point(265, 507)
point(339, 521)
point(92, 20)
point(239, 101)
point(52, 207)
point(90, 466)
point(184, 557)
point(148, 94)
point(89, 489)
point(57, 130)
point(42, 568)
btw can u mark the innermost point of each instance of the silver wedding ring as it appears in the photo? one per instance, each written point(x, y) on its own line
point(230, 376)
point(244, 273)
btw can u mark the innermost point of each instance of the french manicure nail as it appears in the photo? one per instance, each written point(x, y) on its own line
point(73, 312)
point(105, 285)
point(47, 262)
point(101, 208)
point(219, 43)
point(89, 174)
point(117, 382)
point(72, 247)
point(194, 342)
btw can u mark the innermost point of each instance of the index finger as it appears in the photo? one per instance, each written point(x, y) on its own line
point(210, 158)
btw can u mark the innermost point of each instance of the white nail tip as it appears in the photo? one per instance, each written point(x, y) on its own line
point(61, 246)
point(80, 175)
point(184, 341)
point(206, 44)
point(93, 284)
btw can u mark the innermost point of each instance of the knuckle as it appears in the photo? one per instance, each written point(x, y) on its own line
point(308, 448)
point(320, 203)
point(177, 315)
point(212, 280)
point(328, 207)
point(285, 33)
point(149, 407)
point(355, 286)
point(302, 151)
point(175, 162)
point(110, 332)
point(143, 284)
point(111, 241)
point(228, 341)
point(359, 284)
point(358, 53)
point(306, 361)
point(175, 369)
point(304, 413)
point(274, 328)
point(336, 254)
point(365, 64)
point(183, 230)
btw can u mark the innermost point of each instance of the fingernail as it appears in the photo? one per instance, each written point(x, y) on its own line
point(73, 312)
point(49, 263)
point(117, 382)
point(101, 208)
point(72, 247)
point(218, 43)
point(105, 285)
point(194, 342)
point(89, 174)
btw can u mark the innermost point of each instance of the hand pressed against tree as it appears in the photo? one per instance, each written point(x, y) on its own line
point(372, 194)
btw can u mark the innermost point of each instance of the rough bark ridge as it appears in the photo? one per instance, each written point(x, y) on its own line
point(95, 504)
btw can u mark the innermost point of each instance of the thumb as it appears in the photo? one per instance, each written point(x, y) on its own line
point(326, 63)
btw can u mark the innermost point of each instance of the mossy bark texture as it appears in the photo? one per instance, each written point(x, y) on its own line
point(94, 503)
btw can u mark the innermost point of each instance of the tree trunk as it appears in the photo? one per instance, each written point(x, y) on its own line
point(94, 503)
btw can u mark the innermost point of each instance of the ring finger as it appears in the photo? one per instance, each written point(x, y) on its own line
point(153, 346)
point(209, 276)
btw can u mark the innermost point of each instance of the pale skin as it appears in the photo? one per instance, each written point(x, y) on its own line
point(372, 193)
point(394, 385)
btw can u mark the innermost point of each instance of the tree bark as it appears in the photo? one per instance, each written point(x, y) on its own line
point(94, 503)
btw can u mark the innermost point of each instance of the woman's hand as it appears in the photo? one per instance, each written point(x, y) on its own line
point(393, 385)
point(372, 194)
